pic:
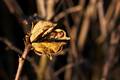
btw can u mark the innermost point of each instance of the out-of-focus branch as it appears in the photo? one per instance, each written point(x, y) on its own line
point(85, 25)
point(14, 8)
point(68, 70)
point(68, 11)
point(73, 34)
point(82, 3)
point(41, 8)
point(71, 65)
point(73, 31)
point(111, 9)
point(105, 19)
point(14, 48)
point(73, 54)
point(110, 55)
point(50, 9)
point(42, 67)
point(115, 16)
point(102, 21)
point(10, 45)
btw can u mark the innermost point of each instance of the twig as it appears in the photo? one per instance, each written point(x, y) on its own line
point(22, 60)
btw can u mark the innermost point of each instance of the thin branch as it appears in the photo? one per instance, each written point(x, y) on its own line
point(22, 60)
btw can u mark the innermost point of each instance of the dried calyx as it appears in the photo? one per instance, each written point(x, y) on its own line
point(46, 47)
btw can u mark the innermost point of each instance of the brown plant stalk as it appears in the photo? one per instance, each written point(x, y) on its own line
point(22, 60)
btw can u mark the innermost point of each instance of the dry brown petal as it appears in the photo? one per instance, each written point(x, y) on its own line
point(41, 29)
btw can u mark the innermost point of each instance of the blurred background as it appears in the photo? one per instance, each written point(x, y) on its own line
point(93, 53)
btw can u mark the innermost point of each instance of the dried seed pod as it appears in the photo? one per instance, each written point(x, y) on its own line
point(45, 47)
point(48, 48)
point(41, 29)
